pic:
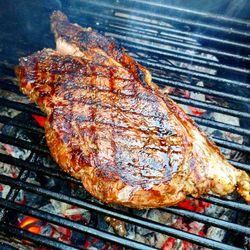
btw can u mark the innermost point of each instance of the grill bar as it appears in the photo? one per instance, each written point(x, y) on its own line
point(168, 41)
point(152, 51)
point(146, 24)
point(72, 225)
point(209, 220)
point(206, 15)
point(178, 211)
point(198, 120)
point(56, 173)
point(220, 125)
point(20, 106)
point(7, 246)
point(191, 102)
point(101, 209)
point(163, 82)
point(17, 142)
point(226, 203)
point(23, 234)
point(204, 76)
point(139, 39)
point(32, 109)
point(10, 121)
point(24, 144)
point(59, 174)
point(158, 16)
point(240, 165)
point(231, 145)
point(208, 106)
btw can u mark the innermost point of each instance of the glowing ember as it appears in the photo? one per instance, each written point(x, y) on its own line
point(28, 223)
point(40, 119)
point(32, 225)
point(196, 111)
point(194, 205)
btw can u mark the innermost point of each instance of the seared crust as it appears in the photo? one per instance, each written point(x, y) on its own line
point(111, 127)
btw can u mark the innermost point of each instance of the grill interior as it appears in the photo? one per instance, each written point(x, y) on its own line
point(183, 48)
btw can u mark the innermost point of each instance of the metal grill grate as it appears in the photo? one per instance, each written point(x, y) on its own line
point(156, 34)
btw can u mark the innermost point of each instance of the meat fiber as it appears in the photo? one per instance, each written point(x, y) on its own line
point(111, 127)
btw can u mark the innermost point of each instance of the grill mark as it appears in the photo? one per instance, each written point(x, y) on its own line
point(129, 127)
point(113, 143)
point(93, 128)
point(168, 168)
point(59, 60)
point(125, 111)
point(138, 76)
point(76, 74)
point(122, 111)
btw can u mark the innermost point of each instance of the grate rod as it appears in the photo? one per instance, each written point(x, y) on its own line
point(208, 91)
point(123, 216)
point(208, 220)
point(167, 40)
point(24, 234)
point(199, 120)
point(231, 145)
point(5, 246)
point(53, 172)
point(220, 125)
point(10, 121)
point(42, 149)
point(208, 106)
point(189, 73)
point(59, 174)
point(199, 13)
point(240, 165)
point(151, 50)
point(73, 225)
point(192, 102)
point(162, 82)
point(9, 86)
point(24, 144)
point(20, 106)
point(144, 40)
point(134, 23)
point(162, 17)
point(226, 203)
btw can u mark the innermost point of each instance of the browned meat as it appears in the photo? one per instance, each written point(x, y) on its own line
point(111, 127)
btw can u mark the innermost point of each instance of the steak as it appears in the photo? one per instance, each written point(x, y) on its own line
point(111, 127)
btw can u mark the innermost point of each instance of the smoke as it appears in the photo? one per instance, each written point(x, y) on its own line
point(25, 27)
point(232, 8)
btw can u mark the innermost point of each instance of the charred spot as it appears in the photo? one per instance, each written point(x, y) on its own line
point(141, 77)
point(69, 96)
point(84, 39)
point(192, 163)
point(65, 139)
point(43, 94)
point(82, 118)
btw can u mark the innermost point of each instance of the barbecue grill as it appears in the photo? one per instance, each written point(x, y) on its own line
point(200, 58)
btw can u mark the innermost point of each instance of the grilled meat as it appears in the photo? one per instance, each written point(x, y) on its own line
point(111, 127)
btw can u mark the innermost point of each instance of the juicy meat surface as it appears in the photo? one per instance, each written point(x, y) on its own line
point(111, 127)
